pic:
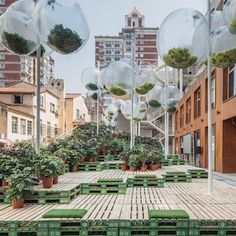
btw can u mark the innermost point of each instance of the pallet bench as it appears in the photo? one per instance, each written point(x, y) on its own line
point(177, 177)
point(198, 173)
point(145, 181)
point(91, 166)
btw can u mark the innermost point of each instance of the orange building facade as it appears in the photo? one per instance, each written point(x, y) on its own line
point(191, 116)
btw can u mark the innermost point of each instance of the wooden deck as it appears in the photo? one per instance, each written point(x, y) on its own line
point(191, 197)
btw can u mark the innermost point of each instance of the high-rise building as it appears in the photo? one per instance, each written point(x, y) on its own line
point(14, 68)
point(133, 36)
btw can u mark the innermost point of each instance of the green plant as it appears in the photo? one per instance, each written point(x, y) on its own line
point(59, 165)
point(171, 107)
point(46, 165)
point(110, 181)
point(136, 119)
point(17, 43)
point(94, 96)
point(179, 58)
point(65, 213)
point(91, 86)
point(144, 88)
point(64, 39)
point(7, 165)
point(232, 26)
point(134, 160)
point(142, 110)
point(117, 90)
point(156, 156)
point(224, 59)
point(20, 184)
point(154, 103)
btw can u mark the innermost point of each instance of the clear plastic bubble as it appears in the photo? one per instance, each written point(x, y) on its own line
point(118, 103)
point(111, 112)
point(118, 78)
point(89, 78)
point(178, 35)
point(170, 95)
point(217, 20)
point(138, 111)
point(154, 97)
point(93, 94)
point(145, 81)
point(229, 15)
point(24, 6)
point(62, 25)
point(223, 48)
point(18, 34)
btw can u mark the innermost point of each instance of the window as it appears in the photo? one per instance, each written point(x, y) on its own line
point(141, 42)
point(2, 74)
point(197, 103)
point(2, 83)
point(29, 127)
point(232, 82)
point(141, 36)
point(22, 126)
point(18, 99)
point(77, 113)
point(117, 45)
point(141, 49)
point(41, 128)
point(55, 130)
point(108, 51)
point(117, 58)
point(176, 120)
point(108, 45)
point(108, 59)
point(48, 129)
point(188, 111)
point(52, 107)
point(41, 101)
point(117, 52)
point(2, 2)
point(181, 116)
point(14, 125)
point(2, 56)
point(141, 55)
point(128, 43)
point(213, 92)
point(128, 49)
point(2, 65)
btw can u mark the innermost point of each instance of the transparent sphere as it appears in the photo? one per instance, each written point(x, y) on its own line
point(24, 6)
point(117, 103)
point(217, 20)
point(18, 34)
point(223, 48)
point(145, 81)
point(93, 95)
point(44, 51)
point(111, 112)
point(89, 78)
point(169, 95)
point(118, 78)
point(229, 15)
point(138, 111)
point(62, 25)
point(154, 96)
point(179, 37)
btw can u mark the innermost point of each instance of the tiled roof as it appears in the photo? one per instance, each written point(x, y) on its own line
point(72, 95)
point(17, 90)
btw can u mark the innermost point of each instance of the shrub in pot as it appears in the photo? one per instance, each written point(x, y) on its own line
point(134, 160)
point(7, 165)
point(124, 156)
point(91, 86)
point(155, 158)
point(20, 185)
point(46, 169)
point(144, 88)
point(64, 40)
point(179, 58)
point(143, 155)
point(117, 90)
point(59, 168)
point(224, 59)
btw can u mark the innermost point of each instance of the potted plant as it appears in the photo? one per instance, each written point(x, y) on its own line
point(171, 107)
point(224, 59)
point(117, 90)
point(144, 88)
point(59, 168)
point(124, 156)
point(232, 26)
point(7, 165)
point(155, 159)
point(134, 160)
point(20, 185)
point(64, 40)
point(143, 155)
point(17, 43)
point(91, 86)
point(46, 168)
point(154, 103)
point(179, 58)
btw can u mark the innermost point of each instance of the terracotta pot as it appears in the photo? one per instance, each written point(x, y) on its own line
point(17, 203)
point(90, 159)
point(154, 166)
point(133, 168)
point(81, 161)
point(143, 168)
point(124, 167)
point(74, 168)
point(5, 183)
point(94, 159)
point(55, 180)
point(47, 182)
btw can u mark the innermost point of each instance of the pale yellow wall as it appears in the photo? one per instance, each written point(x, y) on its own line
point(68, 114)
point(3, 120)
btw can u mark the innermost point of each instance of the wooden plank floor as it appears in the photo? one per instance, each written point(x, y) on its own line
point(135, 204)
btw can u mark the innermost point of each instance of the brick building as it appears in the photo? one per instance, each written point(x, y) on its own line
point(191, 128)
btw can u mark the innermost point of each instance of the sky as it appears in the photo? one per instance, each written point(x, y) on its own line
point(107, 17)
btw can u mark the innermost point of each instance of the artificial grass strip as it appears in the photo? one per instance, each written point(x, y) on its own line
point(145, 176)
point(110, 181)
point(175, 173)
point(168, 214)
point(65, 213)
